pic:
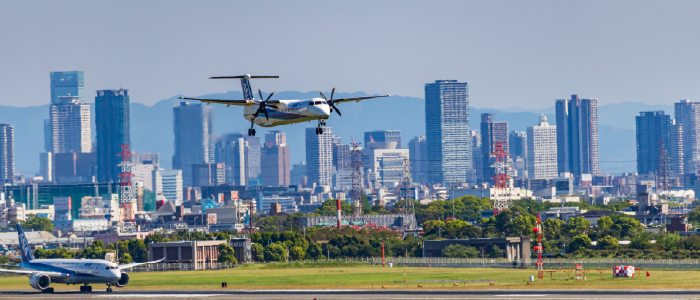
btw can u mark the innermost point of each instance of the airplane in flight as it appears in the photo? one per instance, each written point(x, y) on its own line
point(281, 112)
point(43, 272)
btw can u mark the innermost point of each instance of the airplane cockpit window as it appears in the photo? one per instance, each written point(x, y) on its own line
point(323, 102)
point(311, 103)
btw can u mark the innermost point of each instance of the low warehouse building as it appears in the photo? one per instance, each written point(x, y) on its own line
point(201, 253)
point(514, 247)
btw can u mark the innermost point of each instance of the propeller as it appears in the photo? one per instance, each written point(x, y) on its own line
point(263, 105)
point(331, 103)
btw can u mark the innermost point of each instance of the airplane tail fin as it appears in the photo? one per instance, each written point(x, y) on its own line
point(245, 83)
point(24, 245)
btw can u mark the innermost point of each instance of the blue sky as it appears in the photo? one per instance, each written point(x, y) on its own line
point(512, 53)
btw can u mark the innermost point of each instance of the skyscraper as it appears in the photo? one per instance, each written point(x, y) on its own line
point(169, 184)
point(676, 150)
point(254, 159)
point(232, 150)
point(319, 156)
point(275, 160)
point(112, 126)
point(447, 131)
point(577, 136)
point(7, 152)
point(193, 127)
point(542, 150)
point(341, 156)
point(517, 143)
point(653, 129)
point(688, 117)
point(208, 174)
point(70, 126)
point(418, 157)
point(383, 136)
point(67, 83)
point(491, 132)
point(477, 158)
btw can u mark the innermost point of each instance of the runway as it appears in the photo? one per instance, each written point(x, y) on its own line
point(360, 294)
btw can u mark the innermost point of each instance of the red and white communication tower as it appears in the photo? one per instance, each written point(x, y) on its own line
point(127, 201)
point(538, 248)
point(356, 177)
point(501, 178)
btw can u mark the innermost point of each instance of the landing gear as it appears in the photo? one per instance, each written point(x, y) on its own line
point(86, 289)
point(251, 132)
point(47, 291)
point(321, 123)
point(109, 290)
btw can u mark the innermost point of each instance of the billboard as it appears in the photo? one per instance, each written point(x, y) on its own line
point(234, 195)
point(61, 203)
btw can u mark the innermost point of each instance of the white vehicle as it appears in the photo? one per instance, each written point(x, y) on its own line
point(282, 112)
point(43, 272)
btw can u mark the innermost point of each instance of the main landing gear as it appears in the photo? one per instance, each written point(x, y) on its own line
point(321, 124)
point(251, 131)
point(47, 291)
point(86, 289)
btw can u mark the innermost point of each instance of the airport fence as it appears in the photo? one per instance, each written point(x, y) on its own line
point(548, 263)
point(180, 267)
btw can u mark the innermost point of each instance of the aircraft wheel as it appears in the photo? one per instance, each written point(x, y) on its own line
point(320, 131)
point(253, 131)
point(82, 289)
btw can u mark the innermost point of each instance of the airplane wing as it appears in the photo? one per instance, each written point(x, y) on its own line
point(229, 102)
point(357, 99)
point(136, 264)
point(32, 272)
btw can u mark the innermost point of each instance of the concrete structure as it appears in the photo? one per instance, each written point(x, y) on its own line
point(319, 156)
point(298, 173)
point(62, 208)
point(477, 171)
point(677, 223)
point(286, 203)
point(687, 116)
point(46, 168)
point(193, 128)
point(561, 213)
point(81, 225)
point(208, 174)
point(7, 153)
point(389, 220)
point(253, 161)
point(491, 132)
point(200, 253)
point(653, 129)
point(74, 167)
point(67, 83)
point(70, 125)
point(232, 149)
point(511, 193)
point(387, 164)
point(112, 131)
point(143, 173)
point(341, 156)
point(203, 219)
point(515, 248)
point(168, 183)
point(275, 165)
point(542, 150)
point(577, 136)
point(241, 249)
point(276, 138)
point(418, 156)
point(105, 207)
point(146, 159)
point(383, 136)
point(447, 131)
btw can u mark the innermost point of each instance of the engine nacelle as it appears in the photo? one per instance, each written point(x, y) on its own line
point(40, 281)
point(123, 281)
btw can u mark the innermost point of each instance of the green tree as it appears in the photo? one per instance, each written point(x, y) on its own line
point(296, 253)
point(692, 242)
point(37, 224)
point(138, 250)
point(125, 259)
point(608, 243)
point(4, 259)
point(459, 251)
point(275, 252)
point(153, 238)
point(605, 223)
point(626, 225)
point(315, 251)
point(670, 241)
point(496, 252)
point(523, 225)
point(258, 252)
point(330, 208)
point(226, 254)
point(640, 242)
point(577, 225)
point(433, 227)
point(580, 241)
point(552, 228)
point(694, 216)
point(98, 244)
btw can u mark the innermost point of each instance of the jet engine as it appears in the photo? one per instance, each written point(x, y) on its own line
point(123, 281)
point(40, 281)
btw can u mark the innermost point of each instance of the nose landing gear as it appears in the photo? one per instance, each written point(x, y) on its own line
point(109, 289)
point(321, 124)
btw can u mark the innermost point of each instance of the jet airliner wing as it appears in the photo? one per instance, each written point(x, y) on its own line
point(31, 272)
point(357, 99)
point(227, 102)
point(136, 264)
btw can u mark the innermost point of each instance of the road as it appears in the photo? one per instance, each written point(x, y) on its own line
point(361, 294)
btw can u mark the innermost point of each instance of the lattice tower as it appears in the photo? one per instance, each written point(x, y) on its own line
point(664, 167)
point(538, 230)
point(126, 195)
point(501, 176)
point(406, 191)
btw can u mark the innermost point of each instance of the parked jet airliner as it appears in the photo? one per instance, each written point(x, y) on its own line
point(43, 272)
point(282, 112)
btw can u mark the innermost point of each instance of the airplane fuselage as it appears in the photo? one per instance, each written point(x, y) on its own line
point(76, 271)
point(289, 112)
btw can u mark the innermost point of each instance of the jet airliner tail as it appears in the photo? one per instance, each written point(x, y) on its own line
point(24, 245)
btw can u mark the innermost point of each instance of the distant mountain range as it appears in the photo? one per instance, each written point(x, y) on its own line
point(152, 128)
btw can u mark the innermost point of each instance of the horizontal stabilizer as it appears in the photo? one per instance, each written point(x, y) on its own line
point(241, 77)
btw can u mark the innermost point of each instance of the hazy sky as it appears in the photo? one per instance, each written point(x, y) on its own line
point(512, 53)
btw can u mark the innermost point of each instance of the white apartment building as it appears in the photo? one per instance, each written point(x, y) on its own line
point(70, 126)
point(542, 150)
point(168, 183)
point(319, 156)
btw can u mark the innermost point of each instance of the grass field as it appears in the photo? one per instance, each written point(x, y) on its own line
point(363, 276)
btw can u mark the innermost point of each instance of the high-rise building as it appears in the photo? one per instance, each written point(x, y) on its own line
point(208, 174)
point(74, 167)
point(276, 138)
point(491, 132)
point(67, 83)
point(275, 165)
point(383, 136)
point(298, 173)
point(688, 117)
point(254, 159)
point(447, 131)
point(386, 164)
point(676, 150)
point(232, 150)
point(70, 126)
point(146, 159)
point(319, 156)
point(46, 168)
point(517, 143)
point(7, 152)
point(48, 145)
point(477, 158)
point(418, 157)
point(542, 150)
point(193, 127)
point(577, 136)
point(653, 129)
point(341, 156)
point(168, 183)
point(112, 131)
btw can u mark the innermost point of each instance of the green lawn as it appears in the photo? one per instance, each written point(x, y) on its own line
point(366, 277)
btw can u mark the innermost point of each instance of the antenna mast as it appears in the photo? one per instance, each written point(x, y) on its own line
point(356, 165)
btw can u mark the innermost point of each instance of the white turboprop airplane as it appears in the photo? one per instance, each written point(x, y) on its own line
point(282, 112)
point(43, 272)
